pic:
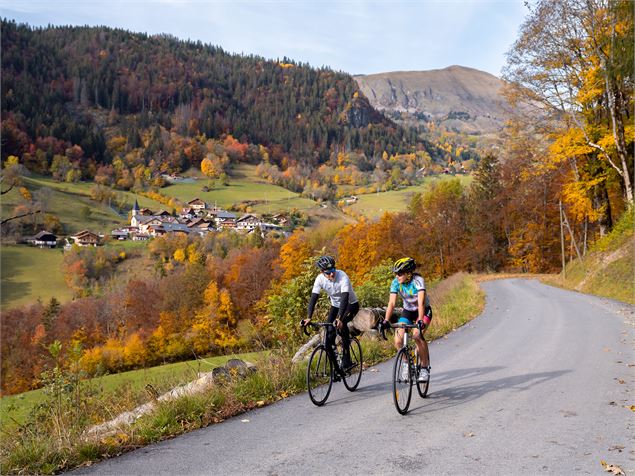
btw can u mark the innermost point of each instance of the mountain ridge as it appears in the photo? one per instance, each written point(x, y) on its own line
point(459, 98)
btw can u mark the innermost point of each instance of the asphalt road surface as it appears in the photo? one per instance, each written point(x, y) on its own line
point(541, 382)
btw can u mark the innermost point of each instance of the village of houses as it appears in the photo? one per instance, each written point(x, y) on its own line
point(196, 217)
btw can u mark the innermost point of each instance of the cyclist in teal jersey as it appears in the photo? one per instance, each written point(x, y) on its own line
point(416, 307)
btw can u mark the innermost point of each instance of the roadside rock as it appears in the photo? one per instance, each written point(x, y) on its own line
point(233, 367)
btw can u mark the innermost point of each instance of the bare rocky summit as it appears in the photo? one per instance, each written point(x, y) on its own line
point(458, 98)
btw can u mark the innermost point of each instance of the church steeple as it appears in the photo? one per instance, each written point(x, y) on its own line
point(135, 208)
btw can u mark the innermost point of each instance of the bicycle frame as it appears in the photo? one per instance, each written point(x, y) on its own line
point(322, 363)
point(402, 383)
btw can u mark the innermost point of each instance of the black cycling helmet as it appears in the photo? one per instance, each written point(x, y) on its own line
point(404, 265)
point(325, 262)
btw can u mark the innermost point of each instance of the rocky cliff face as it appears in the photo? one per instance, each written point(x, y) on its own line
point(459, 98)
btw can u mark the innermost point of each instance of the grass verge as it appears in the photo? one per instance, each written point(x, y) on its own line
point(51, 440)
point(608, 270)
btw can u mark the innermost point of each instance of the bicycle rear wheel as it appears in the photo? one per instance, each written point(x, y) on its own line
point(422, 387)
point(354, 374)
point(402, 382)
point(319, 376)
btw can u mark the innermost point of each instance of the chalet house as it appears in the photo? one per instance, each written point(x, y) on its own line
point(270, 227)
point(144, 223)
point(197, 204)
point(225, 219)
point(248, 222)
point(179, 228)
point(162, 213)
point(43, 239)
point(280, 219)
point(200, 225)
point(188, 212)
point(86, 238)
point(120, 234)
point(146, 212)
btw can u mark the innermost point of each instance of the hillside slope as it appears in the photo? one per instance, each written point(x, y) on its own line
point(458, 98)
point(608, 269)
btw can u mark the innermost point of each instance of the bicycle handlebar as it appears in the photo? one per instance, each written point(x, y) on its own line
point(399, 325)
point(316, 324)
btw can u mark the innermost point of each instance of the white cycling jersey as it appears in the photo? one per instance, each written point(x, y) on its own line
point(341, 284)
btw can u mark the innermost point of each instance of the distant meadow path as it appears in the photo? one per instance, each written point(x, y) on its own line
point(542, 382)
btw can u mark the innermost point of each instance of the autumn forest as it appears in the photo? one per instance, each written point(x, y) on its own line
point(121, 109)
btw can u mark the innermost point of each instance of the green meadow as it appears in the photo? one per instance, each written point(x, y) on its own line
point(15, 408)
point(72, 204)
point(244, 185)
point(373, 205)
point(29, 273)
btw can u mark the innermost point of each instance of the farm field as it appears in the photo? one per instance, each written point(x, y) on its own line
point(69, 202)
point(30, 273)
point(15, 408)
point(373, 205)
point(243, 185)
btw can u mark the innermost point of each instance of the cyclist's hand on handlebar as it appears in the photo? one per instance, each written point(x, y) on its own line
point(338, 323)
point(305, 322)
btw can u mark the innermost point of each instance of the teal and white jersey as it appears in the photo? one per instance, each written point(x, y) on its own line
point(408, 292)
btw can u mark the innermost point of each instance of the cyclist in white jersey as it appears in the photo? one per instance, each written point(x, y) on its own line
point(416, 307)
point(344, 304)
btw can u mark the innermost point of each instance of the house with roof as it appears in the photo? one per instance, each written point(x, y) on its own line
point(197, 204)
point(200, 225)
point(225, 219)
point(188, 213)
point(248, 222)
point(119, 234)
point(86, 238)
point(44, 239)
point(178, 228)
point(280, 219)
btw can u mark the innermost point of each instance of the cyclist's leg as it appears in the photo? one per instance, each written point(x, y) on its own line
point(330, 334)
point(399, 338)
point(420, 341)
point(351, 312)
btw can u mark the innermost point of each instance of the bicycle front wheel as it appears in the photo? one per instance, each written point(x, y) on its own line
point(319, 376)
point(354, 374)
point(422, 387)
point(402, 382)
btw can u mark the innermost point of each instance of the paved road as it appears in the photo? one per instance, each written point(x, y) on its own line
point(539, 383)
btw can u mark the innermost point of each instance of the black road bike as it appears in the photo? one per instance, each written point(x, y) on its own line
point(322, 371)
point(406, 369)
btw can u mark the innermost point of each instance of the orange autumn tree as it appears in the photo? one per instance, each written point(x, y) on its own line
point(363, 245)
point(295, 251)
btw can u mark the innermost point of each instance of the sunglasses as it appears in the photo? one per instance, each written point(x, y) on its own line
point(400, 273)
point(329, 271)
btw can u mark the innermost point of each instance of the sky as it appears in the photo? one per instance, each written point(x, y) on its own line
point(355, 36)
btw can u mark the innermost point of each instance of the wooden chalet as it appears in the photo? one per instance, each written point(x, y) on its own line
point(86, 238)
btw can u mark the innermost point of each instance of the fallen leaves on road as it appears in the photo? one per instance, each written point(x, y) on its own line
point(631, 408)
point(260, 403)
point(468, 434)
point(611, 468)
point(244, 420)
point(373, 370)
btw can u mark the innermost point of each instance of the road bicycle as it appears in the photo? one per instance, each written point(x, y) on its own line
point(406, 369)
point(322, 371)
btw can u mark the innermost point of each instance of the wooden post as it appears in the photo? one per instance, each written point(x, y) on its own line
point(575, 244)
